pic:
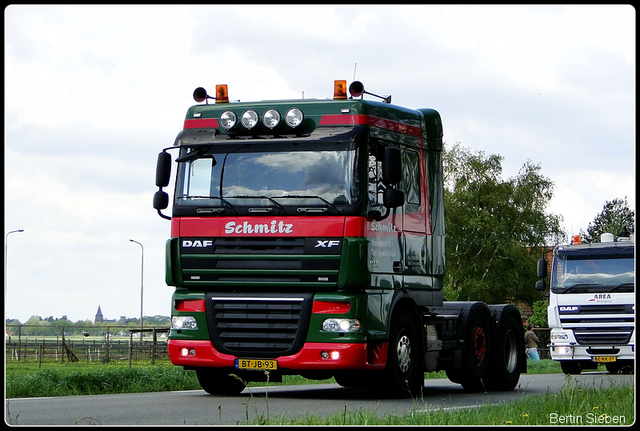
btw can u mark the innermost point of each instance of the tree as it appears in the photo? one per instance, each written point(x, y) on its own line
point(539, 318)
point(495, 229)
point(616, 218)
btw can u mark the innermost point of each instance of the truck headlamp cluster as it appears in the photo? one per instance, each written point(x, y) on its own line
point(270, 118)
point(559, 336)
point(341, 325)
point(183, 322)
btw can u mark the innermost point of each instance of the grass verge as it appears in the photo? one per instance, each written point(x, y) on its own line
point(62, 379)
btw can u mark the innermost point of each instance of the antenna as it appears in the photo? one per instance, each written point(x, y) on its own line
point(354, 71)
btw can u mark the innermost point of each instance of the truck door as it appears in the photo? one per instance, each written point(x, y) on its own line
point(414, 217)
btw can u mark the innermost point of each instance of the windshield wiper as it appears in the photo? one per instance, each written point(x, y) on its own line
point(580, 288)
point(311, 210)
point(273, 201)
point(226, 205)
point(623, 287)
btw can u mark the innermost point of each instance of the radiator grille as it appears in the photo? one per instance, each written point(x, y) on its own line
point(607, 324)
point(258, 326)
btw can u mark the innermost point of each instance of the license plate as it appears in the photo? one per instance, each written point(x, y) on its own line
point(256, 364)
point(603, 358)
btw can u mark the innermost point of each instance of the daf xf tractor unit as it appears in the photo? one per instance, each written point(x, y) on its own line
point(307, 238)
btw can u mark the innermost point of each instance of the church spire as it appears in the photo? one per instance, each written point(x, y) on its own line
point(99, 317)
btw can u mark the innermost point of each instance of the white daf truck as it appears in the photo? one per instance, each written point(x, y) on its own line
point(592, 304)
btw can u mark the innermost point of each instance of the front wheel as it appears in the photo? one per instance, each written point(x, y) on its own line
point(571, 367)
point(219, 382)
point(403, 374)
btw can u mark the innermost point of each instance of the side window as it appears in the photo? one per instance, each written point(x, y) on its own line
point(411, 177)
point(374, 166)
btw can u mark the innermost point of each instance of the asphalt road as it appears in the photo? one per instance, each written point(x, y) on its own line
point(199, 408)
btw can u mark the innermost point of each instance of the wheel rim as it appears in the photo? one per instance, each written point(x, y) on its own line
point(479, 343)
point(403, 353)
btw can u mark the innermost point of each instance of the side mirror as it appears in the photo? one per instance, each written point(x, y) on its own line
point(393, 198)
point(541, 285)
point(160, 200)
point(163, 170)
point(392, 165)
point(542, 268)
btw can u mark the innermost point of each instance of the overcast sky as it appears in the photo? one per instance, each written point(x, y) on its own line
point(93, 93)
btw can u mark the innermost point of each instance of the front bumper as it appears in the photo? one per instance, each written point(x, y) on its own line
point(577, 352)
point(313, 356)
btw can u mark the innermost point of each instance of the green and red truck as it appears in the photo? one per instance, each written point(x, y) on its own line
point(307, 238)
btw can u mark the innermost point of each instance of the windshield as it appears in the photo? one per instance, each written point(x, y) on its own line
point(251, 176)
point(592, 274)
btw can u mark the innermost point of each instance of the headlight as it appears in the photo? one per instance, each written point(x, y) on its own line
point(271, 118)
point(228, 119)
point(559, 336)
point(249, 119)
point(341, 325)
point(183, 322)
point(293, 117)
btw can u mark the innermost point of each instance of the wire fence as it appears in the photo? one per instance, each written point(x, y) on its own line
point(91, 344)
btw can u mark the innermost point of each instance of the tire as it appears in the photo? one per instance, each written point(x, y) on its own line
point(620, 367)
point(571, 367)
point(508, 353)
point(476, 348)
point(403, 376)
point(219, 382)
point(355, 379)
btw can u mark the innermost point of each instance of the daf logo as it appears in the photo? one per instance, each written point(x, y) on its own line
point(327, 244)
point(574, 308)
point(197, 243)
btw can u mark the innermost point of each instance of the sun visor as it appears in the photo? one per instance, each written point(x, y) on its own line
point(199, 137)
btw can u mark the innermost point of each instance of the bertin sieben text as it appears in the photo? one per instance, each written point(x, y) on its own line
point(590, 418)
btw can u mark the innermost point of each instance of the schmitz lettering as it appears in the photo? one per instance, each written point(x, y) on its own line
point(258, 228)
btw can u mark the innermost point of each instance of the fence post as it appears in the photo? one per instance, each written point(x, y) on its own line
point(106, 350)
point(19, 341)
point(130, 347)
point(153, 346)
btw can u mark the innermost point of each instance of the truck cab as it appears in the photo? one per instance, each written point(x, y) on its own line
point(592, 304)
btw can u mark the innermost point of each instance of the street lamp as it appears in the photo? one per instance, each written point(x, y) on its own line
point(141, 287)
point(6, 242)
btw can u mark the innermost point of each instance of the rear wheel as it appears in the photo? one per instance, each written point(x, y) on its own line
point(476, 349)
point(219, 382)
point(508, 353)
